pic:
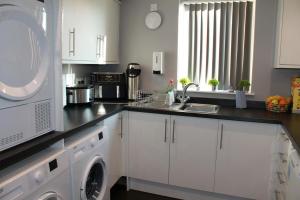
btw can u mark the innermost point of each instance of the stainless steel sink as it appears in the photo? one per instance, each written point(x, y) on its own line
point(200, 108)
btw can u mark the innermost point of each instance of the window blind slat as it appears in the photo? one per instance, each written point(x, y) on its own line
point(211, 41)
point(248, 37)
point(199, 42)
point(241, 43)
point(204, 26)
point(222, 61)
point(234, 43)
point(217, 27)
point(191, 41)
point(227, 48)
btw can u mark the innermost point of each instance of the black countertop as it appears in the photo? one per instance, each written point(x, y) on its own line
point(75, 118)
point(290, 122)
point(79, 117)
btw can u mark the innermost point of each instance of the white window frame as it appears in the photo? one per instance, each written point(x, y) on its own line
point(183, 48)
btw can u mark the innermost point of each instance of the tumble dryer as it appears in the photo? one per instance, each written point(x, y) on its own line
point(87, 152)
point(27, 73)
point(44, 176)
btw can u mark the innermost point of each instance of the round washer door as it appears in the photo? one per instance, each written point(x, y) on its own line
point(50, 196)
point(24, 54)
point(94, 182)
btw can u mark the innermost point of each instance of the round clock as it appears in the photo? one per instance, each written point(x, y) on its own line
point(153, 20)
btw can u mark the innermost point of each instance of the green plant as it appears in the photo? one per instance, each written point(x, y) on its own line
point(244, 85)
point(213, 82)
point(184, 81)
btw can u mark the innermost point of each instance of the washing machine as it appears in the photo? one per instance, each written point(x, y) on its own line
point(87, 152)
point(44, 176)
point(28, 32)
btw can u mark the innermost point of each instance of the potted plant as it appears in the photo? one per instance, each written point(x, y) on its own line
point(184, 81)
point(240, 94)
point(244, 85)
point(214, 83)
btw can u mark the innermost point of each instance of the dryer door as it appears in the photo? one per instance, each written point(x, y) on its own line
point(94, 181)
point(24, 56)
point(50, 196)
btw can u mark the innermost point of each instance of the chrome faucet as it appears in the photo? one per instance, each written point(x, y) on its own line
point(184, 98)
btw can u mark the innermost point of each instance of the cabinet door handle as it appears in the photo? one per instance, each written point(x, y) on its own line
point(98, 46)
point(281, 178)
point(282, 157)
point(278, 195)
point(166, 122)
point(285, 137)
point(72, 42)
point(173, 133)
point(221, 139)
point(121, 118)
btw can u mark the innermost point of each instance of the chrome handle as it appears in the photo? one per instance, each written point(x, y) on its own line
point(281, 178)
point(166, 121)
point(221, 139)
point(121, 118)
point(173, 134)
point(72, 47)
point(285, 137)
point(98, 46)
point(282, 157)
point(278, 195)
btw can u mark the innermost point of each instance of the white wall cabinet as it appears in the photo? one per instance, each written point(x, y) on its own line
point(112, 11)
point(149, 146)
point(244, 158)
point(193, 152)
point(90, 32)
point(288, 31)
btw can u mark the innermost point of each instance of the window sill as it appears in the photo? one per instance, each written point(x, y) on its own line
point(219, 92)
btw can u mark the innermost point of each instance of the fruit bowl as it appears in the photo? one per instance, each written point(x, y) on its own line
point(277, 104)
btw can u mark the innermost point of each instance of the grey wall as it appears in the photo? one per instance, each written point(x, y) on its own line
point(138, 43)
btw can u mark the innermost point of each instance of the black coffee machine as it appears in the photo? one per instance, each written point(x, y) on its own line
point(109, 85)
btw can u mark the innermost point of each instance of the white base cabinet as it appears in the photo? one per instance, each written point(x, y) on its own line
point(244, 158)
point(113, 125)
point(226, 157)
point(193, 152)
point(149, 137)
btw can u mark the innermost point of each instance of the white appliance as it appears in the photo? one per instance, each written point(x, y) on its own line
point(293, 182)
point(44, 176)
point(89, 173)
point(27, 30)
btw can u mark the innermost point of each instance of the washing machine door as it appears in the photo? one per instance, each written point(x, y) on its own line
point(50, 196)
point(94, 182)
point(24, 56)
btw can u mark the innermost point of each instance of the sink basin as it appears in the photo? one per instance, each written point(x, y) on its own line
point(200, 108)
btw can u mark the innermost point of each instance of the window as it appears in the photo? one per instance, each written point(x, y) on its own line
point(216, 41)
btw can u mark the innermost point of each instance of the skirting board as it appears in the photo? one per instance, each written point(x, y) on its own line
point(175, 192)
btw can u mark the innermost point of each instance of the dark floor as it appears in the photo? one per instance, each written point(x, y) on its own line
point(119, 192)
point(136, 195)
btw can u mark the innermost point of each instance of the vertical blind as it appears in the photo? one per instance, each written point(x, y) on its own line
point(219, 41)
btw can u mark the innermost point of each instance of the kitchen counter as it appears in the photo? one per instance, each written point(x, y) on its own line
point(80, 117)
point(290, 122)
point(75, 119)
